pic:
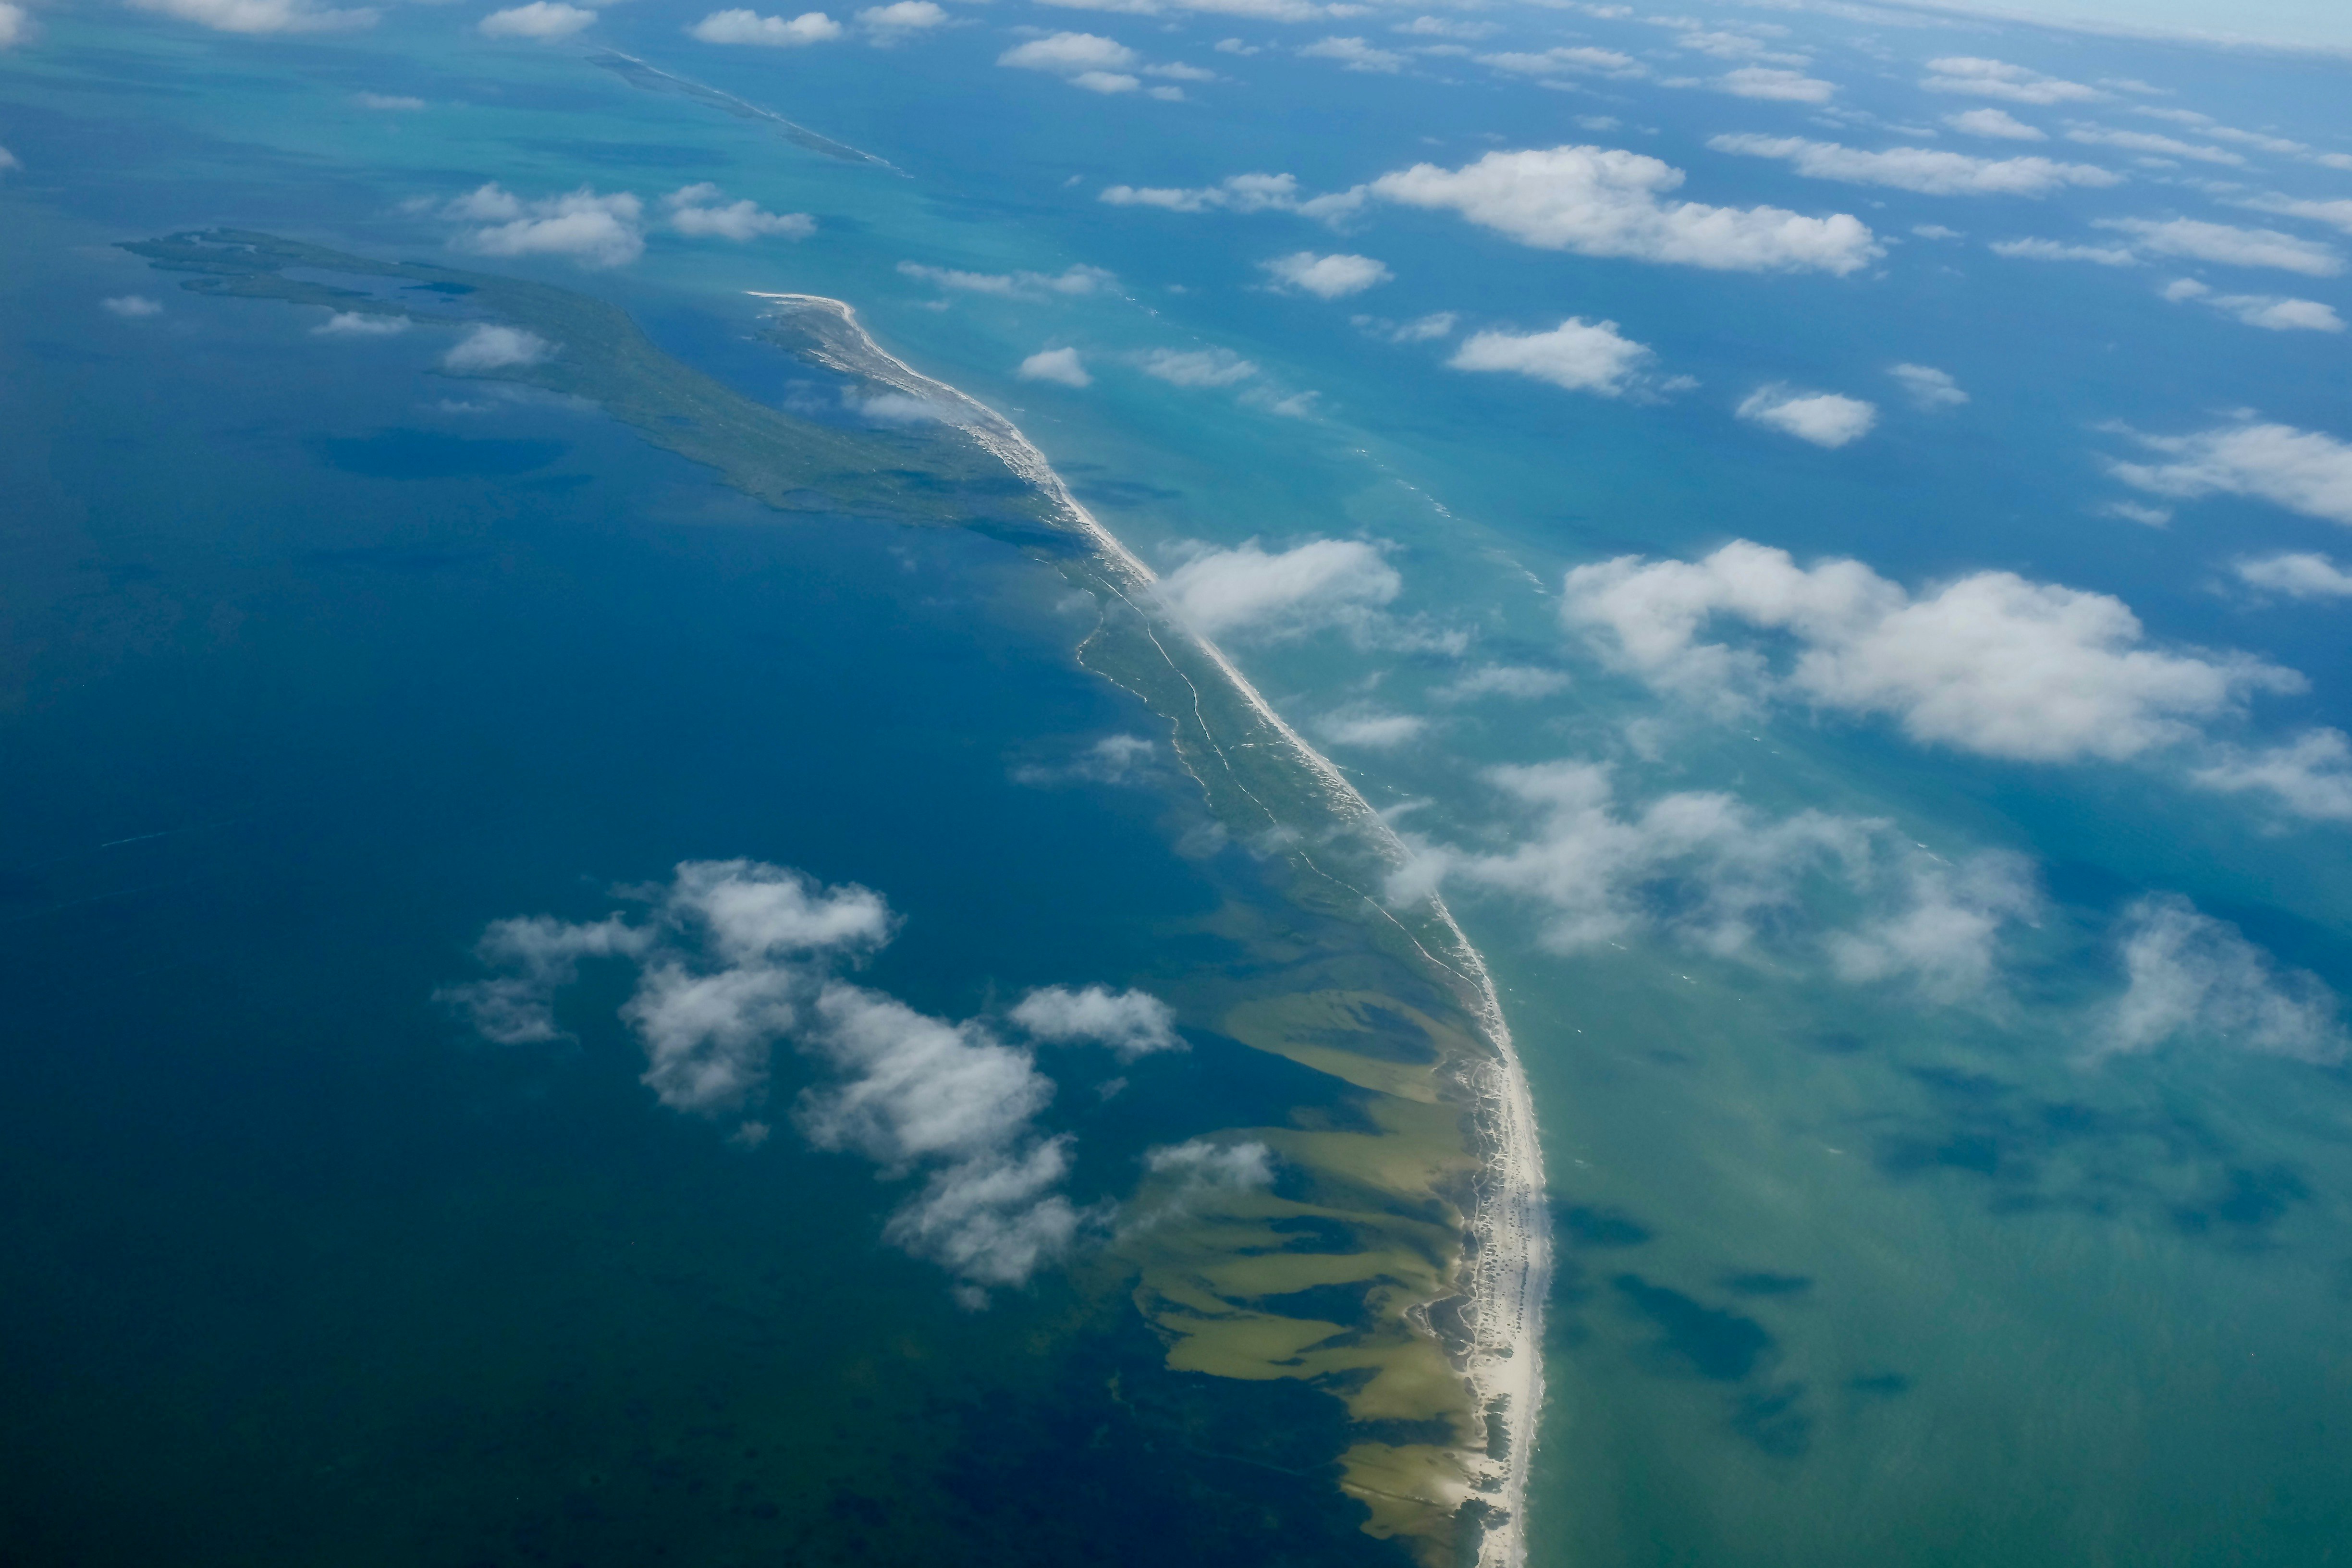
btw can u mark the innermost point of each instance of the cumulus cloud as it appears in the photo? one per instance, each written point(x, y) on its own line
point(1705, 869)
point(1921, 168)
point(2297, 574)
point(1132, 1024)
point(594, 230)
point(743, 27)
point(1599, 202)
point(1566, 61)
point(1260, 10)
point(1083, 60)
point(356, 325)
point(385, 101)
point(488, 348)
point(1515, 680)
point(1997, 79)
point(702, 211)
point(1989, 663)
point(2273, 313)
point(2195, 978)
point(1928, 387)
point(2303, 470)
point(2309, 776)
point(1772, 83)
point(261, 16)
point(1274, 597)
point(1250, 193)
point(1578, 354)
point(900, 17)
point(2230, 246)
point(539, 19)
point(2335, 213)
point(1113, 760)
point(15, 27)
point(2146, 141)
point(131, 307)
point(1328, 277)
point(1369, 729)
point(1420, 330)
point(9, 160)
point(2052, 250)
point(1061, 366)
point(1996, 123)
point(1074, 279)
point(732, 957)
point(1824, 418)
point(1197, 367)
point(1354, 54)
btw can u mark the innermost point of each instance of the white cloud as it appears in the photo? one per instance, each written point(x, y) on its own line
point(1520, 681)
point(1578, 354)
point(9, 160)
point(1083, 60)
point(130, 307)
point(1371, 729)
point(1420, 330)
point(1566, 61)
point(1261, 10)
point(1355, 54)
point(1599, 202)
point(902, 16)
point(736, 955)
point(2051, 250)
point(386, 101)
point(1197, 367)
point(2297, 574)
point(1440, 28)
point(2303, 470)
point(356, 325)
point(1133, 1024)
point(2196, 978)
point(701, 212)
point(261, 16)
point(2335, 213)
point(1921, 168)
point(1705, 869)
point(1936, 231)
point(1824, 418)
point(1928, 387)
point(596, 231)
point(1113, 760)
point(2145, 142)
point(1996, 79)
point(2271, 313)
point(539, 19)
point(1328, 277)
point(1238, 193)
point(1772, 83)
point(2310, 776)
point(1996, 123)
point(1989, 663)
point(1248, 592)
point(15, 27)
point(1074, 279)
point(743, 26)
point(2231, 246)
point(1061, 366)
point(496, 347)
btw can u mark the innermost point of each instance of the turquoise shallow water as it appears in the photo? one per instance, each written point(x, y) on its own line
point(1845, 1278)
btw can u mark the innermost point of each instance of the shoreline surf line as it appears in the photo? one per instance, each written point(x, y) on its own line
point(635, 71)
point(1511, 1262)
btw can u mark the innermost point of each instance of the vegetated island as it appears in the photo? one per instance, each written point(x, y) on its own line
point(1425, 1210)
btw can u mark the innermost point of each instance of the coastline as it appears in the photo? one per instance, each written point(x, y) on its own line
point(1507, 1260)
